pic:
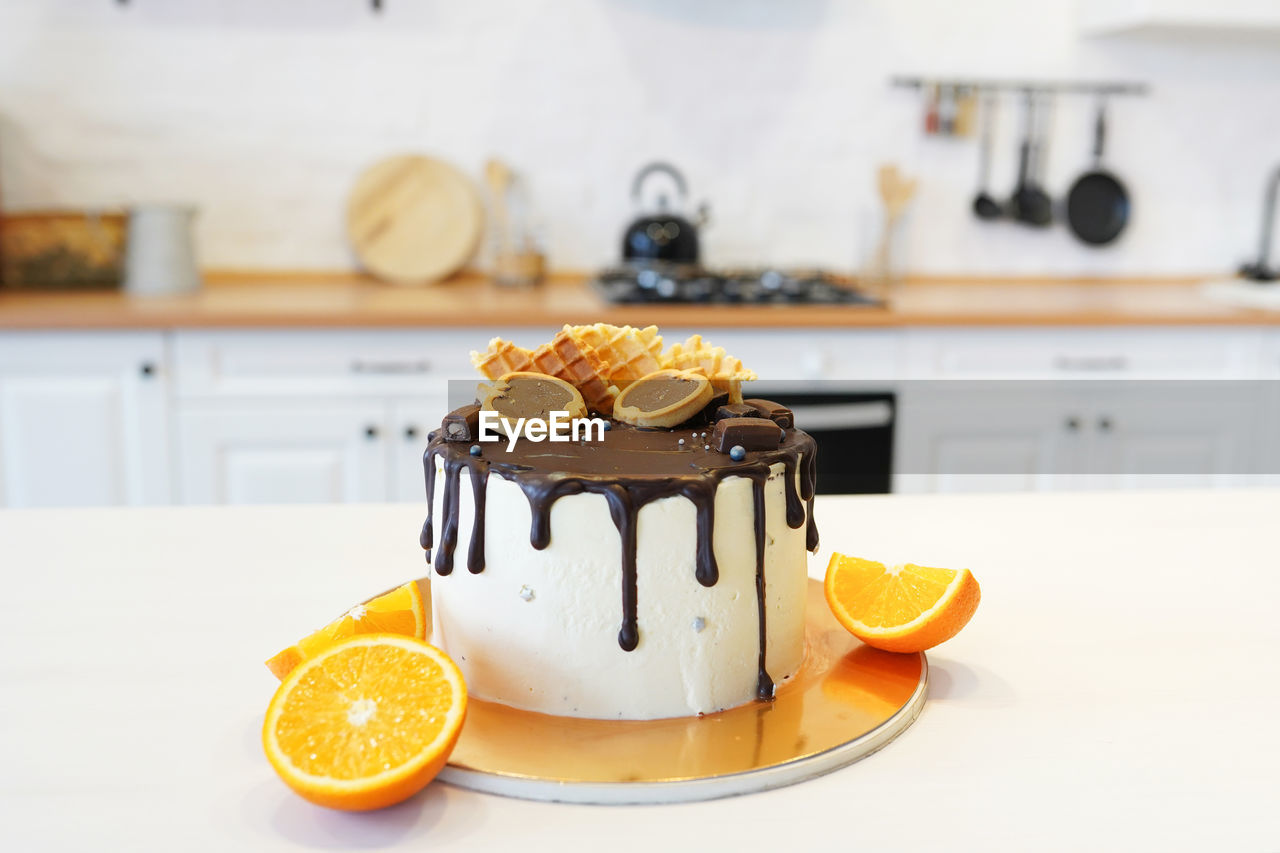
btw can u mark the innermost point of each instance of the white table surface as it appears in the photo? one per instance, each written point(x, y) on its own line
point(1118, 688)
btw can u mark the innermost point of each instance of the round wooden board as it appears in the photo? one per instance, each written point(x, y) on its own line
point(414, 219)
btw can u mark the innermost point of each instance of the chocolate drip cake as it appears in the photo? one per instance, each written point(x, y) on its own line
point(654, 568)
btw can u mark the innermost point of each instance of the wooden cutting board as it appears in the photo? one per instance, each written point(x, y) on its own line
point(414, 219)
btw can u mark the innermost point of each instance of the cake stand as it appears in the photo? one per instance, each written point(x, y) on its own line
point(846, 701)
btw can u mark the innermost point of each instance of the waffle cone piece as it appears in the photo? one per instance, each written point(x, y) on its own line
point(631, 353)
point(502, 357)
point(572, 359)
point(726, 372)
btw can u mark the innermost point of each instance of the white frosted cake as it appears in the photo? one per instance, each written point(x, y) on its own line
point(659, 571)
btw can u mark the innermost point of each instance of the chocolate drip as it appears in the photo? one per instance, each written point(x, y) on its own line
point(541, 495)
point(478, 470)
point(623, 509)
point(764, 684)
point(808, 486)
point(429, 474)
point(631, 468)
point(707, 571)
point(449, 530)
point(479, 488)
point(795, 509)
point(624, 513)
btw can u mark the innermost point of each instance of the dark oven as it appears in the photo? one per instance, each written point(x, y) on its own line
point(853, 427)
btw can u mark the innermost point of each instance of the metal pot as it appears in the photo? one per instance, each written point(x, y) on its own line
point(160, 257)
point(662, 235)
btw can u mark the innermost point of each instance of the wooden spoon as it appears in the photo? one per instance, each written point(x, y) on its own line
point(896, 192)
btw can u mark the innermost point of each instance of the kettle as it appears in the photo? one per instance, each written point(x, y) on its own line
point(662, 235)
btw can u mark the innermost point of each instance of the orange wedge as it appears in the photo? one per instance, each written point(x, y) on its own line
point(904, 608)
point(397, 612)
point(367, 722)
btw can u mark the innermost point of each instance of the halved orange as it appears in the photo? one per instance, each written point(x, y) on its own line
point(903, 608)
point(397, 612)
point(367, 722)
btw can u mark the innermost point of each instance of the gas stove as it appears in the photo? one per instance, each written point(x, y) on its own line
point(675, 283)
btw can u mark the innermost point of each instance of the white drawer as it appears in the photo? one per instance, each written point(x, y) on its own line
point(791, 355)
point(1271, 354)
point(304, 362)
point(1092, 353)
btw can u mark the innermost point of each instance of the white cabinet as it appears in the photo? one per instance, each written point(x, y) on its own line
point(291, 451)
point(1271, 355)
point(1176, 435)
point(411, 420)
point(312, 416)
point(1082, 354)
point(279, 364)
point(283, 452)
point(293, 416)
point(799, 356)
point(83, 419)
point(965, 436)
point(1002, 436)
point(1270, 392)
point(1000, 409)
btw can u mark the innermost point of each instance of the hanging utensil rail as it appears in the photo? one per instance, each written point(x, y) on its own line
point(1074, 87)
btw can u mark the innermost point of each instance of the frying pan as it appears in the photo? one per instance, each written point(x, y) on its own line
point(1098, 204)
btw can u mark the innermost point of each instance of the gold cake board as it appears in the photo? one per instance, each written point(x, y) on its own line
point(847, 701)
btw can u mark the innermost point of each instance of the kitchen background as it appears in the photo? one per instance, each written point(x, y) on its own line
point(262, 112)
point(1006, 357)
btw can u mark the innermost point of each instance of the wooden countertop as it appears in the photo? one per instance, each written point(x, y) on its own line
point(345, 300)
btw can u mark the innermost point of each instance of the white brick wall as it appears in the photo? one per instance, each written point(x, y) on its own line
point(263, 112)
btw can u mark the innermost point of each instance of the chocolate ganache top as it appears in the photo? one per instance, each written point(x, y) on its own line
point(630, 467)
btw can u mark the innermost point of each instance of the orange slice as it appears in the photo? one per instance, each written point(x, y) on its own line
point(397, 612)
point(905, 608)
point(367, 722)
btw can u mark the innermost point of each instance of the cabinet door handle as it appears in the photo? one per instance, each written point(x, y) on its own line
point(1105, 424)
point(1091, 363)
point(390, 367)
point(147, 369)
point(1072, 424)
point(410, 432)
point(371, 431)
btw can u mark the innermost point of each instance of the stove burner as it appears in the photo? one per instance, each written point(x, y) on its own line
point(656, 282)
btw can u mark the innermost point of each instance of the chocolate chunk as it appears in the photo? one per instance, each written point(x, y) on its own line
point(750, 433)
point(707, 415)
point(738, 410)
point(462, 424)
point(775, 412)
